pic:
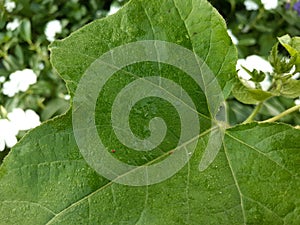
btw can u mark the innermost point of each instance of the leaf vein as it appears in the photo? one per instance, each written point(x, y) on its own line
point(260, 152)
point(112, 181)
point(29, 202)
point(236, 184)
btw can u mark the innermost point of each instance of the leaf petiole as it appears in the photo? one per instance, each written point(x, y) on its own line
point(254, 113)
point(279, 116)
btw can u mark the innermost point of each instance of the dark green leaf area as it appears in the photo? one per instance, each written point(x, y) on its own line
point(51, 180)
point(177, 22)
point(145, 110)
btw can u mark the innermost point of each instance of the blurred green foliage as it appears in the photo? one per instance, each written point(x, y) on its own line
point(257, 33)
point(257, 30)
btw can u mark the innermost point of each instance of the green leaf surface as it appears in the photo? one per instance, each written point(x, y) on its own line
point(248, 95)
point(279, 63)
point(25, 30)
point(290, 88)
point(292, 45)
point(191, 24)
point(254, 179)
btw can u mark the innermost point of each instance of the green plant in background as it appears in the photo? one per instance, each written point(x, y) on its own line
point(257, 23)
point(252, 178)
point(279, 77)
point(256, 26)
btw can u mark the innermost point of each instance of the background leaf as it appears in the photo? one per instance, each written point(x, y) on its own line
point(291, 88)
point(292, 45)
point(25, 30)
point(249, 95)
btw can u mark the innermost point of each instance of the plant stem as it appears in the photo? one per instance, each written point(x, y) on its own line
point(254, 113)
point(286, 112)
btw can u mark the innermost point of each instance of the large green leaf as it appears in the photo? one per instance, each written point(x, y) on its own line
point(254, 179)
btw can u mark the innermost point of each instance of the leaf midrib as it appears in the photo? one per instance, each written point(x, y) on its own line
point(113, 181)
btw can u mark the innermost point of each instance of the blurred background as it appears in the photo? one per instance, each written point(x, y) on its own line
point(31, 91)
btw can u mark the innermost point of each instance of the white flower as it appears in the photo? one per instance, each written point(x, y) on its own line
point(293, 69)
point(250, 5)
point(233, 38)
point(10, 89)
point(24, 120)
point(2, 79)
point(67, 97)
point(245, 77)
point(20, 80)
point(113, 9)
point(266, 83)
point(8, 134)
point(9, 5)
point(41, 66)
point(254, 62)
point(52, 28)
point(17, 120)
point(296, 76)
point(270, 4)
point(13, 25)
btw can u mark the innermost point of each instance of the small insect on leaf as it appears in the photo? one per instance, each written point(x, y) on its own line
point(113, 151)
